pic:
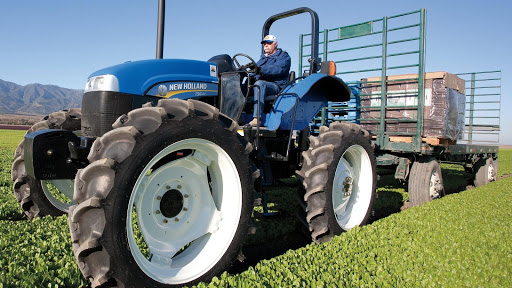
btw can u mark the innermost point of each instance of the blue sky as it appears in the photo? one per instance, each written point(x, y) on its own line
point(63, 42)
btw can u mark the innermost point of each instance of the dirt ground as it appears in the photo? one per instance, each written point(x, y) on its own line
point(12, 119)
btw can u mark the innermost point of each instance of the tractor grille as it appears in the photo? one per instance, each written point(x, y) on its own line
point(100, 109)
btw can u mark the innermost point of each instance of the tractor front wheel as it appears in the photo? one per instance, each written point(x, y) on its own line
point(166, 200)
point(46, 197)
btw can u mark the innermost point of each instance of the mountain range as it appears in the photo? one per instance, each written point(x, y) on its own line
point(36, 99)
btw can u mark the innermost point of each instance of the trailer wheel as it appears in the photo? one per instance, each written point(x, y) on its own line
point(425, 181)
point(485, 171)
point(39, 198)
point(166, 200)
point(339, 177)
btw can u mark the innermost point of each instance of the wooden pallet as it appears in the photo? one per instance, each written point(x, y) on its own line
point(430, 141)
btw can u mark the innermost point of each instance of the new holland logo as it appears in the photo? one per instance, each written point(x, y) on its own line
point(162, 90)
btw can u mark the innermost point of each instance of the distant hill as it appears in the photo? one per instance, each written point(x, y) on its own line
point(36, 99)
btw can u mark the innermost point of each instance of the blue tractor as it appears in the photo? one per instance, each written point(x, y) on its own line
point(161, 171)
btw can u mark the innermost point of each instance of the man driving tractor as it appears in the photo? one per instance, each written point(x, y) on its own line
point(272, 75)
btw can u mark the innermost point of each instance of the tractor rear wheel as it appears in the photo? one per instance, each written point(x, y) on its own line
point(166, 200)
point(425, 181)
point(46, 197)
point(340, 178)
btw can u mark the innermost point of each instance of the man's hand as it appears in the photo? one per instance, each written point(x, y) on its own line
point(252, 68)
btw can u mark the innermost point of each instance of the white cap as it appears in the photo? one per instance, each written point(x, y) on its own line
point(269, 38)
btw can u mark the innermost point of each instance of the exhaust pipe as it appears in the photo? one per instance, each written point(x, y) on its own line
point(160, 30)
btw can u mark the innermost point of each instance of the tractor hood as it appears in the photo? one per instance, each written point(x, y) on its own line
point(139, 76)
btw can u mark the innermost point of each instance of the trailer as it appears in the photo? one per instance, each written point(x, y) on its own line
point(379, 55)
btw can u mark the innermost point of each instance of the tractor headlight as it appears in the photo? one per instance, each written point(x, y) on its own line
point(102, 83)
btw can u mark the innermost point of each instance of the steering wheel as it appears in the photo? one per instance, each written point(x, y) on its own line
point(251, 67)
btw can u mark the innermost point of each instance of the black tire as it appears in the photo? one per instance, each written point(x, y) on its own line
point(425, 181)
point(485, 171)
point(339, 145)
point(29, 191)
point(102, 231)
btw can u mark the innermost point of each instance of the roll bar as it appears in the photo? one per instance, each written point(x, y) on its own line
point(314, 60)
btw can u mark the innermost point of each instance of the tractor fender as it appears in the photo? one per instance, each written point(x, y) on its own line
point(312, 93)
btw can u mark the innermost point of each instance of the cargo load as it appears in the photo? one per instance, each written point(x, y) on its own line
point(443, 109)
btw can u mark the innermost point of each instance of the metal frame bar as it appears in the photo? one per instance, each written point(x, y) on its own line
point(383, 84)
point(476, 124)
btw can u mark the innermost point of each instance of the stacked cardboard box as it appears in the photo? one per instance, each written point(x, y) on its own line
point(443, 110)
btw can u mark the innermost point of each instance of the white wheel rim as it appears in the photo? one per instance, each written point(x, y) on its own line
point(435, 186)
point(211, 218)
point(65, 186)
point(352, 200)
point(491, 174)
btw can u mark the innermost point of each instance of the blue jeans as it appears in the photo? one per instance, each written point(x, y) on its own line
point(261, 89)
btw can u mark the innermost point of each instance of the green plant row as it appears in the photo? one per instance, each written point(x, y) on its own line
point(9, 207)
point(38, 254)
point(505, 162)
point(449, 242)
point(462, 240)
point(32, 253)
point(10, 138)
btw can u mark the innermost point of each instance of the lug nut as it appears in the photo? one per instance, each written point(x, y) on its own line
point(158, 198)
point(165, 221)
point(167, 187)
point(185, 209)
point(69, 160)
point(157, 211)
point(186, 195)
point(176, 219)
point(179, 186)
point(49, 152)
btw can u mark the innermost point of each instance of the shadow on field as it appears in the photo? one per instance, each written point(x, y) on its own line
point(279, 233)
point(388, 202)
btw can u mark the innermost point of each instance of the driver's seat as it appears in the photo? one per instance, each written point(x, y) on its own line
point(273, 98)
point(270, 99)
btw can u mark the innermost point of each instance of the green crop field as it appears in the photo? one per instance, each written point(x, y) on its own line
point(461, 240)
